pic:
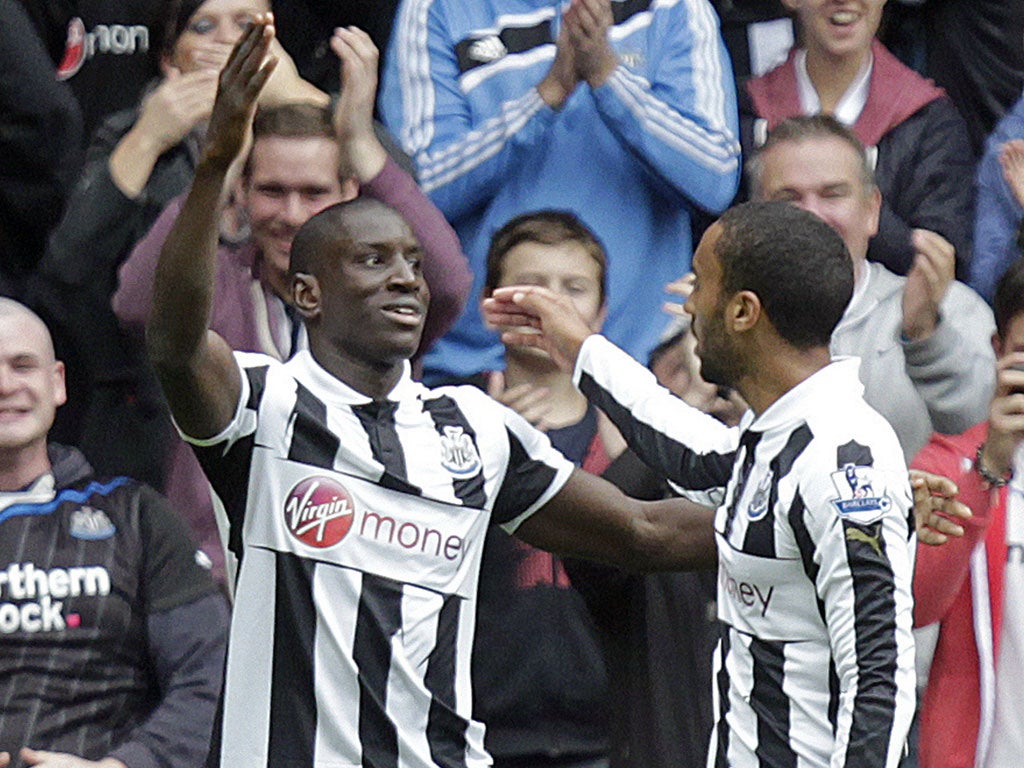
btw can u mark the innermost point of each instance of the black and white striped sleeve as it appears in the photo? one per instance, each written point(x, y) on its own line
point(687, 446)
point(536, 471)
point(849, 516)
point(226, 458)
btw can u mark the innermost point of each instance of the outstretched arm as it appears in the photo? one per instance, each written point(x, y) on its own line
point(195, 365)
point(592, 519)
point(692, 449)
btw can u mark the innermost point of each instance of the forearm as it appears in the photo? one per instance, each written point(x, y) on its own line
point(693, 150)
point(183, 285)
point(688, 447)
point(995, 229)
point(133, 299)
point(95, 233)
point(676, 535)
point(464, 173)
point(591, 519)
point(953, 369)
point(463, 151)
point(677, 112)
point(132, 161)
point(187, 644)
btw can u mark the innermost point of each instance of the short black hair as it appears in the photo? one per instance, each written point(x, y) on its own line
point(317, 237)
point(547, 227)
point(1008, 301)
point(796, 264)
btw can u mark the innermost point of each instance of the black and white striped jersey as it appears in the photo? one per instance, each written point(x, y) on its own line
point(360, 526)
point(815, 666)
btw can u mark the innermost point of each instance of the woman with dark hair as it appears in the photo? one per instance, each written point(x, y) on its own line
point(143, 157)
point(139, 160)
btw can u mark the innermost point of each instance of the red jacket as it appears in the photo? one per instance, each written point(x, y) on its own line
point(960, 586)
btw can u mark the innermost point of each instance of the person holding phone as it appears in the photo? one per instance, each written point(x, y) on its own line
point(974, 587)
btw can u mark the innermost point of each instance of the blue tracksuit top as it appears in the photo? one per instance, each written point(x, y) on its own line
point(630, 158)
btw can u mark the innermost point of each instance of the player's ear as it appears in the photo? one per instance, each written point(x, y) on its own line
point(306, 295)
point(743, 311)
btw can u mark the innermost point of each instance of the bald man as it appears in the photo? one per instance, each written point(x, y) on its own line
point(112, 632)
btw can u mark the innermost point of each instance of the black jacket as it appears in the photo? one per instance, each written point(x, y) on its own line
point(113, 634)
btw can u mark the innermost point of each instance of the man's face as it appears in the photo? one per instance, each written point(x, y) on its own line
point(720, 361)
point(565, 268)
point(31, 383)
point(823, 176)
point(373, 295)
point(290, 180)
point(838, 28)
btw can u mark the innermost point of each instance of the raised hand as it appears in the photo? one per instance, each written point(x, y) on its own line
point(177, 105)
point(936, 508)
point(561, 80)
point(353, 113)
point(929, 278)
point(1011, 157)
point(588, 22)
point(527, 400)
point(240, 83)
point(536, 317)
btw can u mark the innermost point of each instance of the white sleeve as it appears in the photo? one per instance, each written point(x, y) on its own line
point(693, 450)
point(250, 366)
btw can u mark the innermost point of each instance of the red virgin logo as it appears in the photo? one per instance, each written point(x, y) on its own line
point(74, 50)
point(319, 512)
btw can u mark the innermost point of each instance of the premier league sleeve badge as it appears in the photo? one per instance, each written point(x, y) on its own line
point(862, 493)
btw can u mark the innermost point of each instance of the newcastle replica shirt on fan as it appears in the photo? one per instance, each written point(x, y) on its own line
point(815, 665)
point(360, 526)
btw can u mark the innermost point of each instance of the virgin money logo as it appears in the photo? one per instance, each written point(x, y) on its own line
point(111, 39)
point(319, 512)
point(74, 50)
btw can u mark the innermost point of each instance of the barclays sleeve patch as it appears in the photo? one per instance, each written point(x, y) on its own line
point(862, 493)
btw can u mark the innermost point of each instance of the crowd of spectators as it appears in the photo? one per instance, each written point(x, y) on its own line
point(581, 145)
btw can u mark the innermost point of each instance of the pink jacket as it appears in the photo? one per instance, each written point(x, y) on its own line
point(895, 93)
point(960, 585)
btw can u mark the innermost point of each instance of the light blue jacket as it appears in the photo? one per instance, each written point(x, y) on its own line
point(632, 158)
point(998, 213)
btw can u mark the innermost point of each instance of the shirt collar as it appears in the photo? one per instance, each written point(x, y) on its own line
point(334, 391)
point(39, 491)
point(836, 382)
point(852, 102)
